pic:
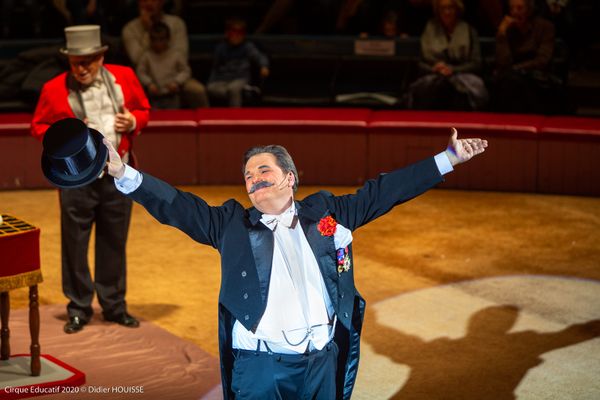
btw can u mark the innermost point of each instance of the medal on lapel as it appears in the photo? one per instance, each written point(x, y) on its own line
point(343, 260)
point(328, 226)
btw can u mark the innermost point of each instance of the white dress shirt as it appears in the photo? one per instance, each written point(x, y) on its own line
point(99, 110)
point(299, 312)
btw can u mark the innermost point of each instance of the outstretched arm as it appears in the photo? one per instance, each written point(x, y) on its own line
point(184, 211)
point(378, 196)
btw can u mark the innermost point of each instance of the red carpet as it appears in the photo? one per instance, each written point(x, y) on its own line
point(147, 362)
point(56, 377)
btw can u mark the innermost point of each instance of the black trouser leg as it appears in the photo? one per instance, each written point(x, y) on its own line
point(77, 217)
point(112, 225)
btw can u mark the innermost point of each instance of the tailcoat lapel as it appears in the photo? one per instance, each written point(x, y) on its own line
point(323, 248)
point(262, 244)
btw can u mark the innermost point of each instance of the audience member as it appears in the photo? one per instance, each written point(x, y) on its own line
point(32, 7)
point(308, 17)
point(524, 47)
point(77, 12)
point(359, 17)
point(233, 62)
point(450, 59)
point(413, 15)
point(136, 39)
point(485, 15)
point(388, 26)
point(560, 13)
point(163, 70)
point(117, 13)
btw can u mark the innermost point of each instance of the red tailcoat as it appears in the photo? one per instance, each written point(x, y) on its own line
point(53, 104)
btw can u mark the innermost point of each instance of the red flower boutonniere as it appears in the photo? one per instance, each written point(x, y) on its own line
point(327, 226)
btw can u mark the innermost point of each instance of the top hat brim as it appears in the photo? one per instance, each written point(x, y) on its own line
point(87, 176)
point(84, 52)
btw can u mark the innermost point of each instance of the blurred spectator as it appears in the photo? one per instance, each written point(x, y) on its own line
point(115, 14)
point(359, 17)
point(33, 10)
point(342, 16)
point(163, 70)
point(402, 18)
point(136, 39)
point(277, 18)
point(388, 26)
point(175, 7)
point(485, 15)
point(524, 47)
point(412, 15)
point(450, 58)
point(233, 62)
point(554, 8)
point(78, 12)
point(560, 13)
point(311, 17)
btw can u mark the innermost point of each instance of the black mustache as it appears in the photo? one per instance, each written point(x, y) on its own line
point(259, 185)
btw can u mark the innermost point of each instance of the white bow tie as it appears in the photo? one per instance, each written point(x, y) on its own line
point(287, 219)
point(96, 83)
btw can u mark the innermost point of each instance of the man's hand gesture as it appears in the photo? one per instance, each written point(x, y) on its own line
point(461, 150)
point(124, 121)
point(115, 166)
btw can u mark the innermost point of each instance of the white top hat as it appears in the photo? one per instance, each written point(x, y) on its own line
point(83, 40)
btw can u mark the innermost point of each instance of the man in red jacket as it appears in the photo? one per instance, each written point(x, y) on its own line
point(109, 99)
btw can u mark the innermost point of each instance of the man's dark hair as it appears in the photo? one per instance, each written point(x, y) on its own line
point(159, 30)
point(282, 157)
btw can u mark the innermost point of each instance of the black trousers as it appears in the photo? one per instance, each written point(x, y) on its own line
point(259, 375)
point(98, 203)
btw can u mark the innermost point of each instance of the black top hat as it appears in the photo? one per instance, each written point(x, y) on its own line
point(73, 155)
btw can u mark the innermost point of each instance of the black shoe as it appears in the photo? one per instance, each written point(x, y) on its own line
point(125, 320)
point(75, 324)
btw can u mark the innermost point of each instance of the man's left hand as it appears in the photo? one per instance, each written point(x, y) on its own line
point(461, 150)
point(124, 121)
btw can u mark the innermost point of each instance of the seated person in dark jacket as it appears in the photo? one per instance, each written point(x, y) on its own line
point(524, 47)
point(232, 68)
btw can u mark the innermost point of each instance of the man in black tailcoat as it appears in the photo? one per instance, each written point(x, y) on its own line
point(290, 316)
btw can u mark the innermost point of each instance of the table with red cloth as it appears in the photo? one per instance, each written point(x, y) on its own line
point(20, 267)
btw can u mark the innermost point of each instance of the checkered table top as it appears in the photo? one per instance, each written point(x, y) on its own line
point(11, 225)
